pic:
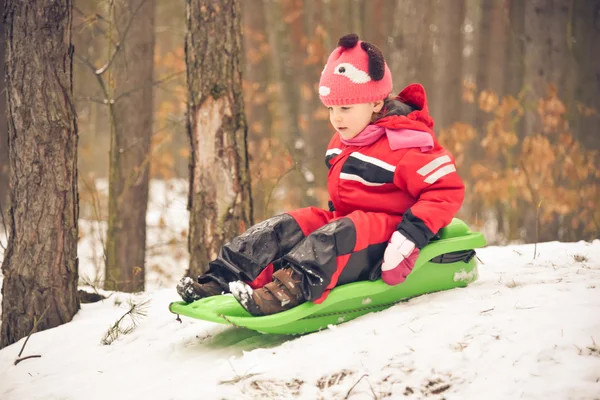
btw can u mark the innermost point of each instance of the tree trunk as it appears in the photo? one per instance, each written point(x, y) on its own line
point(497, 44)
point(412, 49)
point(547, 61)
point(471, 40)
point(4, 170)
point(130, 146)
point(286, 75)
point(450, 19)
point(40, 263)
point(513, 71)
point(585, 22)
point(220, 197)
point(491, 55)
point(546, 54)
point(256, 85)
point(355, 8)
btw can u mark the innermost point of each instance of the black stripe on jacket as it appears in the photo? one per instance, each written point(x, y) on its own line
point(367, 168)
point(330, 155)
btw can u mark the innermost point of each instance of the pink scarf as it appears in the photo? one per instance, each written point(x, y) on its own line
point(398, 138)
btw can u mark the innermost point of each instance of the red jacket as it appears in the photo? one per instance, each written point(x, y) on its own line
point(423, 187)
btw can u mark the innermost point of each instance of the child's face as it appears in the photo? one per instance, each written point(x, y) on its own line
point(350, 120)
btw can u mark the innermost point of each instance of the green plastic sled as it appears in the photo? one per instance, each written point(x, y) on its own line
point(446, 263)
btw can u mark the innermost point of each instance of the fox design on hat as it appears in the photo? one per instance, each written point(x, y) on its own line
point(355, 73)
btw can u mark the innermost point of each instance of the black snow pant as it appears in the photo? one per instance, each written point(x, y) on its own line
point(326, 248)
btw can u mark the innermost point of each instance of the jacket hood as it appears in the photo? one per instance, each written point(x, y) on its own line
point(414, 95)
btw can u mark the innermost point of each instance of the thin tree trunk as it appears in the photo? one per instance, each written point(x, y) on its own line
point(316, 127)
point(513, 65)
point(256, 82)
point(585, 22)
point(509, 217)
point(300, 183)
point(547, 60)
point(130, 146)
point(449, 60)
point(472, 42)
point(545, 54)
point(498, 43)
point(341, 20)
point(4, 170)
point(491, 53)
point(356, 21)
point(412, 48)
point(220, 197)
point(329, 38)
point(40, 263)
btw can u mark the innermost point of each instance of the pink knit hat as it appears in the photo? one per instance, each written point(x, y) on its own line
point(355, 73)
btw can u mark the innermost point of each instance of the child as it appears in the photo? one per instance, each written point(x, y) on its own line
point(392, 188)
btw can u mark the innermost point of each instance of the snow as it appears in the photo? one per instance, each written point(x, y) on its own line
point(527, 328)
point(465, 276)
point(241, 291)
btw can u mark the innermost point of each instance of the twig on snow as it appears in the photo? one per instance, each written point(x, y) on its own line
point(353, 386)
point(18, 360)
point(35, 323)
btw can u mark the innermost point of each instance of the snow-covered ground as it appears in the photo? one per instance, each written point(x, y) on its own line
point(527, 329)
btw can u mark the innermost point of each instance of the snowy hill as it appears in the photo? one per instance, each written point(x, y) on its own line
point(527, 329)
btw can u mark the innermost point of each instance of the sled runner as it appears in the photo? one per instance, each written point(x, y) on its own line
point(445, 263)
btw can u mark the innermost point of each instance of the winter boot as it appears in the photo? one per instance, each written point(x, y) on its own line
point(283, 293)
point(190, 291)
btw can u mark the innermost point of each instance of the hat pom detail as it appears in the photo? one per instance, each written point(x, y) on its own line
point(348, 41)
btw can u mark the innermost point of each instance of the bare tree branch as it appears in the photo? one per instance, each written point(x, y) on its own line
point(155, 83)
point(35, 323)
point(118, 45)
point(294, 167)
point(92, 99)
point(101, 83)
point(18, 360)
point(86, 21)
point(96, 15)
point(93, 69)
point(353, 386)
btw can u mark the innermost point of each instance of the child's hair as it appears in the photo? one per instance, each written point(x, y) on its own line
point(392, 106)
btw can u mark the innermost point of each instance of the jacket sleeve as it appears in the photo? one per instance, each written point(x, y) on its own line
point(431, 178)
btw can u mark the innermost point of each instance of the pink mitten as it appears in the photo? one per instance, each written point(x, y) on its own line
point(399, 259)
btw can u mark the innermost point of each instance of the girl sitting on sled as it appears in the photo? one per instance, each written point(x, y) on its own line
point(392, 188)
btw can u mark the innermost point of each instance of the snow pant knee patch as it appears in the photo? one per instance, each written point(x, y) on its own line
point(316, 255)
point(246, 255)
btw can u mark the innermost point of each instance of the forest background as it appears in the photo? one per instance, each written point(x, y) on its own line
point(514, 88)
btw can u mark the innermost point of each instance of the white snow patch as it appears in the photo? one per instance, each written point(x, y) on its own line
point(366, 300)
point(241, 291)
point(526, 329)
point(464, 276)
